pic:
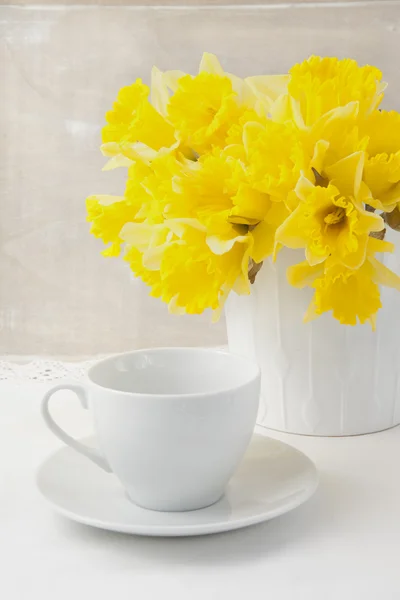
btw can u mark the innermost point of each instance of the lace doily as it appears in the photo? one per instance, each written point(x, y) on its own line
point(42, 370)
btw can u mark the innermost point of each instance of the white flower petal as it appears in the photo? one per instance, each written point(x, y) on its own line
point(117, 162)
point(210, 64)
point(159, 93)
point(171, 79)
point(173, 307)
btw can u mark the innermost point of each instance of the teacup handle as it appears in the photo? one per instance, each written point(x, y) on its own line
point(92, 453)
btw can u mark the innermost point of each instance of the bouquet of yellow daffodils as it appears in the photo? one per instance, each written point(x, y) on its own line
point(224, 172)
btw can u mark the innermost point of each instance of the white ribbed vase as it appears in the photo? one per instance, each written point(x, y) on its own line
point(320, 378)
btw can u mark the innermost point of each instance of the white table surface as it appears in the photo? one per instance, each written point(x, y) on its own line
point(343, 544)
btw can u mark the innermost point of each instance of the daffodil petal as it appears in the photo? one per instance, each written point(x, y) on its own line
point(251, 131)
point(271, 86)
point(354, 260)
point(347, 173)
point(152, 257)
point(110, 149)
point(174, 308)
point(313, 258)
point(333, 118)
point(319, 154)
point(370, 222)
point(171, 79)
point(372, 322)
point(210, 64)
point(221, 246)
point(375, 246)
point(106, 200)
point(179, 226)
point(281, 109)
point(117, 162)
point(159, 91)
point(384, 276)
point(303, 275)
point(142, 235)
point(290, 233)
point(264, 241)
point(113, 250)
point(303, 187)
point(311, 313)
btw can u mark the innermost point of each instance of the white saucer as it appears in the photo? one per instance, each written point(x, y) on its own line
point(272, 479)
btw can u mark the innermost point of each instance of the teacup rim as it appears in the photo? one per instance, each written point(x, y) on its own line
point(215, 350)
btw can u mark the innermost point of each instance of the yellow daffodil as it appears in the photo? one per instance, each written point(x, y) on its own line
point(136, 130)
point(319, 85)
point(352, 294)
point(333, 148)
point(152, 278)
point(205, 108)
point(327, 224)
point(187, 274)
point(275, 157)
point(235, 132)
point(268, 88)
point(331, 222)
point(202, 110)
point(151, 240)
point(382, 169)
point(335, 135)
point(133, 119)
point(151, 188)
point(209, 183)
point(108, 214)
point(382, 176)
point(218, 193)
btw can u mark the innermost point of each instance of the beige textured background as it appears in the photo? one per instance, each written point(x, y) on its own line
point(60, 68)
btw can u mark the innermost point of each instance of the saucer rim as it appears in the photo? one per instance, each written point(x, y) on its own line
point(186, 530)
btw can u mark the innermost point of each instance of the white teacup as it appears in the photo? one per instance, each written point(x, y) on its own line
point(171, 423)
